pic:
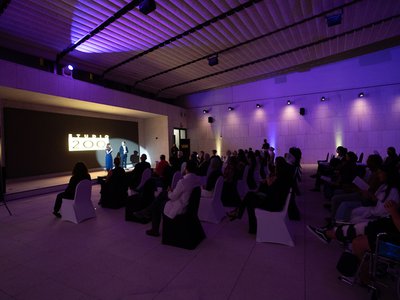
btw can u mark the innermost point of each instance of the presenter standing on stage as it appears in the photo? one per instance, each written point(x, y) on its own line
point(123, 152)
point(109, 159)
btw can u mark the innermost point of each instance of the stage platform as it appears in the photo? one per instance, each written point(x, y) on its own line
point(32, 186)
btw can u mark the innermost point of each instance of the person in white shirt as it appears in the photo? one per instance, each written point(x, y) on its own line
point(175, 202)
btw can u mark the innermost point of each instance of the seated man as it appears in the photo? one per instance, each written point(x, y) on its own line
point(176, 201)
point(114, 189)
point(135, 176)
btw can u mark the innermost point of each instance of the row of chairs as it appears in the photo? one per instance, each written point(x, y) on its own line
point(272, 226)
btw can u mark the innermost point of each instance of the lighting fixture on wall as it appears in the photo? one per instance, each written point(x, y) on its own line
point(205, 111)
point(258, 105)
point(230, 108)
point(67, 71)
point(289, 102)
point(213, 60)
point(361, 95)
point(147, 6)
point(302, 111)
point(323, 98)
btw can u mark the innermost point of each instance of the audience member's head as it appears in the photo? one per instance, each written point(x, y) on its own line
point(374, 161)
point(391, 152)
point(191, 167)
point(162, 157)
point(80, 169)
point(143, 157)
point(351, 157)
point(117, 161)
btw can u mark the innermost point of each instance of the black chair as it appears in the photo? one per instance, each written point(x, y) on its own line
point(185, 230)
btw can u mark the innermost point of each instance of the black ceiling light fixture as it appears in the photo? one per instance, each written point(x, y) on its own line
point(147, 6)
point(361, 95)
point(205, 111)
point(323, 98)
point(213, 60)
point(334, 19)
point(258, 105)
point(230, 108)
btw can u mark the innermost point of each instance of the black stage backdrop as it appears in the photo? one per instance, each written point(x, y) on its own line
point(36, 143)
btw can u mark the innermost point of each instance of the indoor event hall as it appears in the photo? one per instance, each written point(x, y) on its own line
point(226, 149)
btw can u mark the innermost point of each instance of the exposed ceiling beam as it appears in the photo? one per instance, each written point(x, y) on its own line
point(187, 32)
point(98, 29)
point(322, 14)
point(324, 40)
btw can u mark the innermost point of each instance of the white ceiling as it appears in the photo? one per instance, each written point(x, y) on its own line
point(254, 39)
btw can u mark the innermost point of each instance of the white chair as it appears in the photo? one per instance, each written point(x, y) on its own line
point(272, 227)
point(81, 207)
point(177, 176)
point(183, 167)
point(146, 175)
point(211, 208)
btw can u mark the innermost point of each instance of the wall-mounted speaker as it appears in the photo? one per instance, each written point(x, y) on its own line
point(302, 111)
point(210, 119)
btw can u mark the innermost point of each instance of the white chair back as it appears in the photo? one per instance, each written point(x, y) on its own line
point(145, 176)
point(81, 207)
point(211, 208)
point(272, 227)
point(183, 167)
point(177, 176)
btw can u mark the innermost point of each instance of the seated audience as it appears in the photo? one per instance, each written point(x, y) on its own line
point(203, 166)
point(342, 178)
point(214, 172)
point(135, 176)
point(174, 202)
point(392, 159)
point(230, 196)
point(79, 173)
point(114, 190)
point(270, 196)
point(329, 169)
point(359, 197)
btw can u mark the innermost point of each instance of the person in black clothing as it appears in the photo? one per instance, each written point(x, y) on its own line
point(265, 145)
point(79, 173)
point(271, 194)
point(136, 174)
point(114, 189)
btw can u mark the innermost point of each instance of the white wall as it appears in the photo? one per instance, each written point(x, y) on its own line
point(361, 125)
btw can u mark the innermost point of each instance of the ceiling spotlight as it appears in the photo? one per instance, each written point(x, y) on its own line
point(147, 6)
point(361, 95)
point(258, 105)
point(323, 98)
point(67, 70)
point(230, 108)
point(289, 102)
point(205, 111)
point(213, 60)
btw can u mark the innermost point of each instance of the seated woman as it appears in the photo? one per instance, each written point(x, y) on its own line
point(389, 225)
point(79, 173)
point(213, 173)
point(270, 196)
point(230, 196)
point(114, 190)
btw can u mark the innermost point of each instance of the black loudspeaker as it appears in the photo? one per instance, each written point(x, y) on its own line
point(302, 111)
point(210, 119)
